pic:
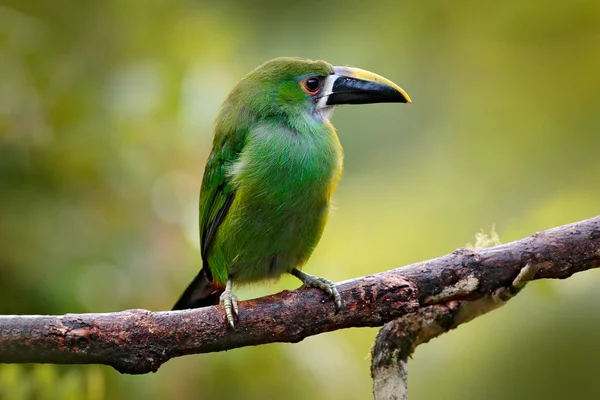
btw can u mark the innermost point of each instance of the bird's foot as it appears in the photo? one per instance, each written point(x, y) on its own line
point(230, 302)
point(325, 285)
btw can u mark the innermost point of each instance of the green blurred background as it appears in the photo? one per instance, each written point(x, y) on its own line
point(106, 118)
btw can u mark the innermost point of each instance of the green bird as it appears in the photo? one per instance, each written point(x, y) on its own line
point(267, 186)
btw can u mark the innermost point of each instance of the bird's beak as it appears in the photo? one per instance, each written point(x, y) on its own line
point(356, 86)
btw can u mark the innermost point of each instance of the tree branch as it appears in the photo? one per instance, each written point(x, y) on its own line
point(397, 340)
point(139, 341)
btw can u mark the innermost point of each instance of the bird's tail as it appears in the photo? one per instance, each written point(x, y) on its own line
point(200, 293)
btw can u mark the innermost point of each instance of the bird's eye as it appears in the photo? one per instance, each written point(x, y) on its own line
point(311, 85)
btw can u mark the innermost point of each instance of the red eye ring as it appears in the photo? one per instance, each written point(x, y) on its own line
point(312, 85)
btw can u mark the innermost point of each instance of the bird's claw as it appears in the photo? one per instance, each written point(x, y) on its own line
point(321, 283)
point(230, 302)
point(328, 287)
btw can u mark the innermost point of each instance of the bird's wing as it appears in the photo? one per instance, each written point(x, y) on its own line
point(217, 193)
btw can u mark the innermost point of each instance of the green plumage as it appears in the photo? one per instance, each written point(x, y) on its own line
point(280, 165)
point(269, 179)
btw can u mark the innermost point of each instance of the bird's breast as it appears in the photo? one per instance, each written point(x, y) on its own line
point(282, 166)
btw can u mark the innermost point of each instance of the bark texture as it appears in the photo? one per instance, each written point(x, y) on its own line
point(397, 340)
point(139, 341)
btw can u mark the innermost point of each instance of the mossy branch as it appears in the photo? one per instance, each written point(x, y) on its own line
point(140, 341)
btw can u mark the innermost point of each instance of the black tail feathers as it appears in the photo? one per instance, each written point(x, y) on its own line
point(200, 293)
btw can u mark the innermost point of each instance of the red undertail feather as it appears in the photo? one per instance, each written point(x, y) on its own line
point(200, 293)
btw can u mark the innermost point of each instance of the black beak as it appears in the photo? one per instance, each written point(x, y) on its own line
point(357, 86)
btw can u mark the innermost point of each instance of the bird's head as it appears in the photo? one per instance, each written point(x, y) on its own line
point(296, 87)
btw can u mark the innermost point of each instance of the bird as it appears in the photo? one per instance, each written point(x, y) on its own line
point(276, 159)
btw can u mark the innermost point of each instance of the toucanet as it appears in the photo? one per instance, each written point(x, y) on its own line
point(267, 186)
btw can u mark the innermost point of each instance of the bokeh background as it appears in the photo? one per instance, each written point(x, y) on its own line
point(106, 118)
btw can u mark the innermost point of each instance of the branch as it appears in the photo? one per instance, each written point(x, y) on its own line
point(397, 340)
point(139, 341)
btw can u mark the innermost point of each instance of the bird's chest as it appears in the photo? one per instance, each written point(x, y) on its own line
point(288, 167)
